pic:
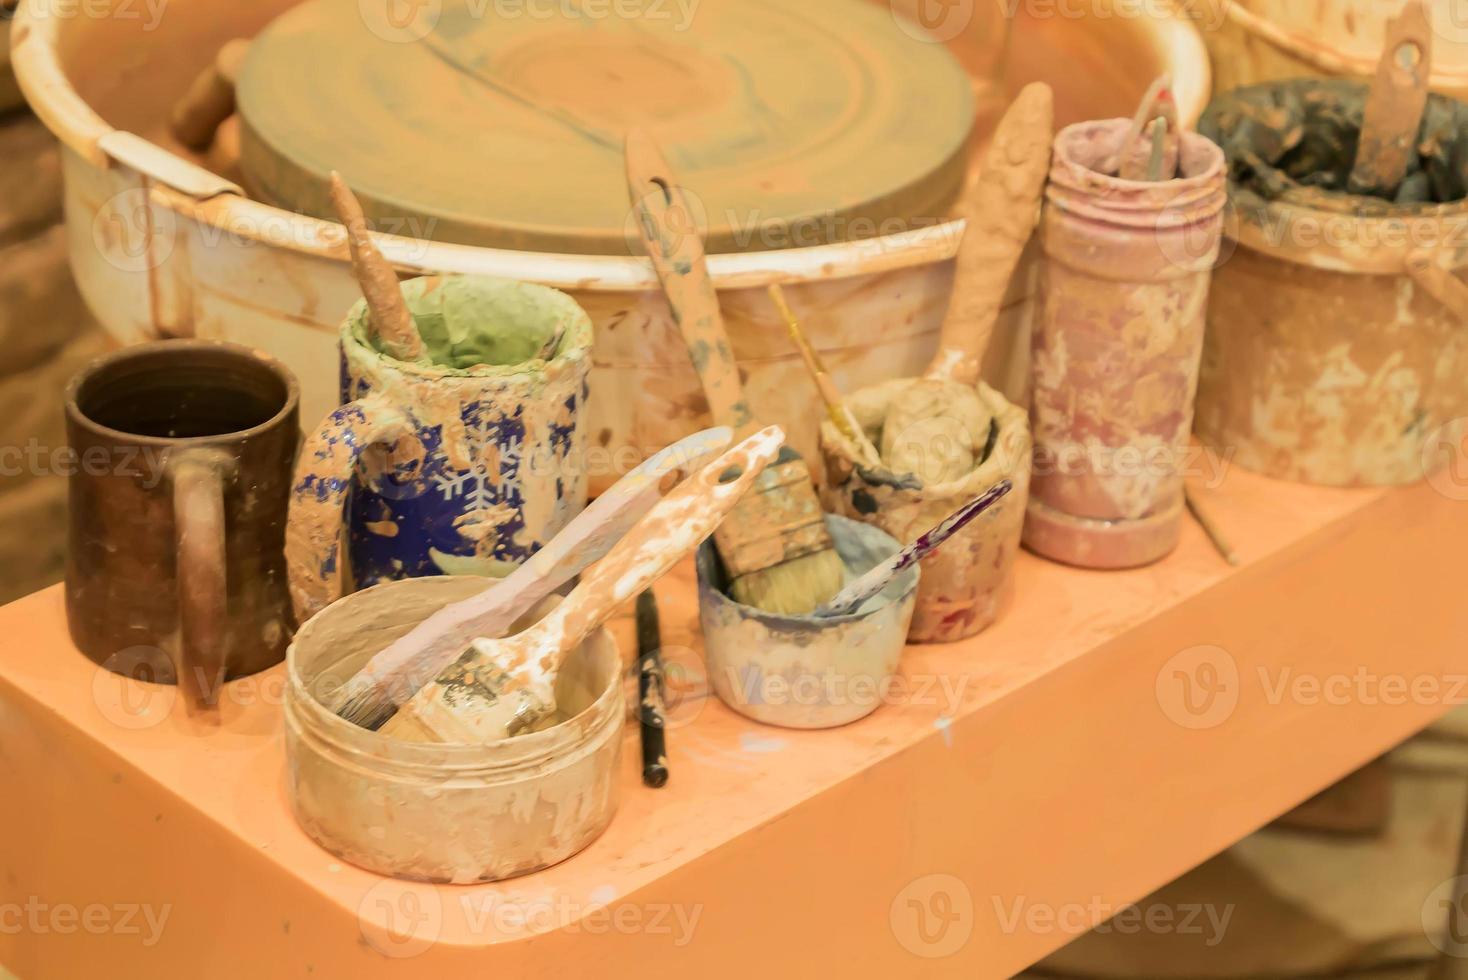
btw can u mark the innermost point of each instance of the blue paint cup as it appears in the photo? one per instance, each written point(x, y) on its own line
point(467, 465)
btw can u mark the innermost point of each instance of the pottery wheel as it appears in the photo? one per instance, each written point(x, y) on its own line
point(500, 122)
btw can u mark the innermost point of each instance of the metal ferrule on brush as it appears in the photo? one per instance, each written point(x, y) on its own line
point(778, 520)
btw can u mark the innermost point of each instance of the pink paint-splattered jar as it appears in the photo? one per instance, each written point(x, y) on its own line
point(1117, 345)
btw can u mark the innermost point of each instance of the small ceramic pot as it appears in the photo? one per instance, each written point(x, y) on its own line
point(437, 812)
point(442, 470)
point(801, 671)
point(965, 581)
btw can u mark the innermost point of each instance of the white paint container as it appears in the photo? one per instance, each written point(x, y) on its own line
point(446, 813)
point(801, 671)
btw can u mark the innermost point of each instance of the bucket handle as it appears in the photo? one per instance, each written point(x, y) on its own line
point(1439, 279)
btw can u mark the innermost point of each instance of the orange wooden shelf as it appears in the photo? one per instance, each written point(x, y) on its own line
point(1067, 765)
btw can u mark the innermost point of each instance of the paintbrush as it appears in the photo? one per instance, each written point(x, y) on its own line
point(387, 311)
point(393, 676)
point(503, 687)
point(869, 461)
point(775, 546)
point(651, 716)
point(849, 599)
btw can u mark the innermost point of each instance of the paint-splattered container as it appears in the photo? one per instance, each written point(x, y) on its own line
point(1337, 345)
point(800, 671)
point(446, 813)
point(467, 465)
point(1116, 347)
point(965, 581)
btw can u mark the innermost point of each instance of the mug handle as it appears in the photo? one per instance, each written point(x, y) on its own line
point(319, 491)
point(198, 477)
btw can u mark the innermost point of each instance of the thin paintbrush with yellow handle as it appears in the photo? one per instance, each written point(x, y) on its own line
point(775, 544)
point(836, 408)
point(870, 463)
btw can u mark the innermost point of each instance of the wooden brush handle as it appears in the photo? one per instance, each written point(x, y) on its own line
point(416, 658)
point(1000, 212)
point(670, 234)
point(210, 100)
point(674, 527)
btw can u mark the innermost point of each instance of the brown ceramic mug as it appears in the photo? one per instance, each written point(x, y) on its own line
point(181, 460)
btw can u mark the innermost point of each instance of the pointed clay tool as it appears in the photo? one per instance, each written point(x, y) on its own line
point(868, 459)
point(393, 676)
point(503, 687)
point(1396, 104)
point(1000, 211)
point(651, 715)
point(849, 599)
point(386, 307)
point(210, 99)
point(775, 546)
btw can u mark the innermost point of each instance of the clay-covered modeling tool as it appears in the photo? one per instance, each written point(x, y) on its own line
point(399, 671)
point(1396, 105)
point(210, 100)
point(868, 458)
point(850, 599)
point(651, 713)
point(937, 427)
point(503, 687)
point(775, 544)
point(386, 309)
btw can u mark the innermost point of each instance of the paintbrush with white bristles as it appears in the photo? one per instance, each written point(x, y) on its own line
point(392, 677)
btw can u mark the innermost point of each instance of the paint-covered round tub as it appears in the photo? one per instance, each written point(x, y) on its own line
point(163, 245)
point(1336, 350)
point(446, 813)
point(806, 671)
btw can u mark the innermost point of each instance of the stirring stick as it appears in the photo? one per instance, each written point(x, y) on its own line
point(650, 711)
point(849, 599)
point(386, 308)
